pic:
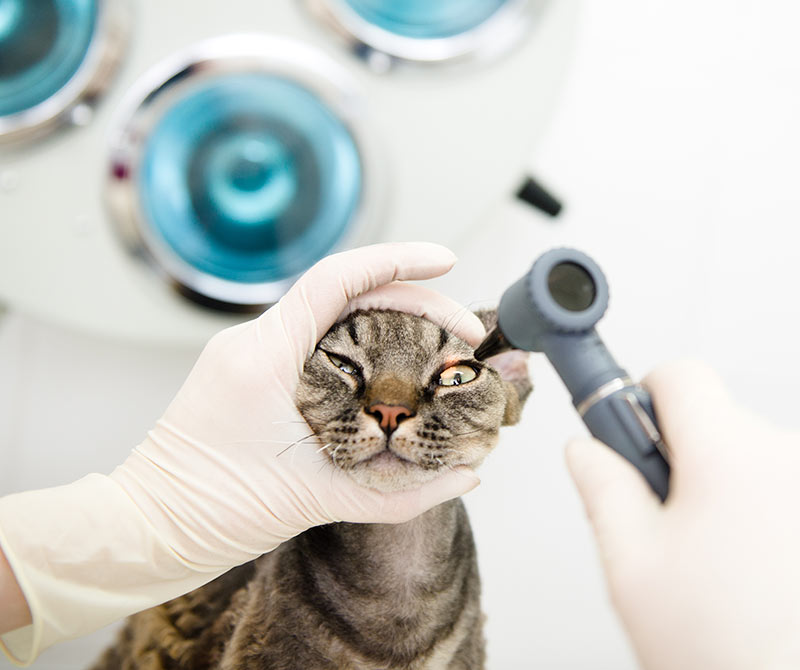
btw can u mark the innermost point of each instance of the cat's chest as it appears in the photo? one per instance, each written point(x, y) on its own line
point(439, 657)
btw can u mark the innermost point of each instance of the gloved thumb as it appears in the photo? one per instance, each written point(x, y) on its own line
point(620, 504)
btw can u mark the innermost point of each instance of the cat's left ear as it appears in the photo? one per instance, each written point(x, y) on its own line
point(513, 369)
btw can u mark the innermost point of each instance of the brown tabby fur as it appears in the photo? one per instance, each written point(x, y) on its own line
point(357, 596)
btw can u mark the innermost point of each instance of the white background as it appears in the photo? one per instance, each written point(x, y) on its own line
point(675, 147)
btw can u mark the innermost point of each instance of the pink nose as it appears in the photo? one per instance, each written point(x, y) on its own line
point(389, 416)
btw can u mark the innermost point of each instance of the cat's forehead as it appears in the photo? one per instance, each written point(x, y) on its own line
point(395, 334)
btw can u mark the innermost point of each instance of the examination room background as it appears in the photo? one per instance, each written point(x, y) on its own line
point(675, 147)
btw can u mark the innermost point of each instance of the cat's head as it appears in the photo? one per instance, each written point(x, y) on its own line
point(396, 398)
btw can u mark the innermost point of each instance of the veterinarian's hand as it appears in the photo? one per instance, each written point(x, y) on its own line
point(711, 579)
point(229, 471)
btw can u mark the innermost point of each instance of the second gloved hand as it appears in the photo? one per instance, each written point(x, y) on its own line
point(711, 579)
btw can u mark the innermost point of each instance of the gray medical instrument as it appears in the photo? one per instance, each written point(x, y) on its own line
point(554, 309)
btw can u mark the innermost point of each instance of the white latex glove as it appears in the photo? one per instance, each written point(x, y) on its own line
point(711, 579)
point(217, 481)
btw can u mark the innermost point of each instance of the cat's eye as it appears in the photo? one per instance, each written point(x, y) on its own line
point(344, 366)
point(457, 375)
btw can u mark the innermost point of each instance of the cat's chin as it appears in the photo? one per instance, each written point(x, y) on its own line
point(387, 473)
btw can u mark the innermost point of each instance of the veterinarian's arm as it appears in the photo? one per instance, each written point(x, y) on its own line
point(14, 612)
point(228, 472)
point(711, 579)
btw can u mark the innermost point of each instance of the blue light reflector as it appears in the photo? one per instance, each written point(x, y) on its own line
point(250, 178)
point(42, 45)
point(426, 19)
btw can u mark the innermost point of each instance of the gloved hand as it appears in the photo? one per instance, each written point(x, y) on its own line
point(230, 470)
point(711, 579)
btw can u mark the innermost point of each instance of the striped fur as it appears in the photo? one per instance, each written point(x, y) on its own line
point(356, 596)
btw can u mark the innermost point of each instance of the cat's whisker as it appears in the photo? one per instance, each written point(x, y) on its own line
point(445, 465)
point(243, 442)
point(296, 442)
point(464, 312)
point(469, 432)
point(298, 421)
point(454, 319)
point(333, 470)
point(281, 453)
point(323, 460)
point(457, 316)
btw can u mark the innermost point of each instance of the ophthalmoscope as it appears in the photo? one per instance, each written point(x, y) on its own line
point(554, 309)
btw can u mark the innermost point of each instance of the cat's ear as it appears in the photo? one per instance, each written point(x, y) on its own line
point(513, 369)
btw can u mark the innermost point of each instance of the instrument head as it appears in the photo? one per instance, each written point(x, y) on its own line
point(565, 292)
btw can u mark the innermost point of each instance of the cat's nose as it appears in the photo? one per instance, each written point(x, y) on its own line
point(389, 416)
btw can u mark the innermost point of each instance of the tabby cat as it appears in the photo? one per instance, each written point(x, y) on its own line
point(396, 398)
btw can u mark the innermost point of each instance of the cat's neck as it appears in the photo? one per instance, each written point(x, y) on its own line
point(394, 593)
point(396, 562)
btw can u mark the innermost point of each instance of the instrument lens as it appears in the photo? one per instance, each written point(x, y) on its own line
point(571, 286)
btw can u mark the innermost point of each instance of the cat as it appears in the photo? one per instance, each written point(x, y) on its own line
point(396, 398)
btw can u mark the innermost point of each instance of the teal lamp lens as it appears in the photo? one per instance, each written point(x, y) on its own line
point(250, 178)
point(426, 19)
point(42, 45)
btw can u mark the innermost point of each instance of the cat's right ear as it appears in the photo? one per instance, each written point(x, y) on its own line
point(513, 368)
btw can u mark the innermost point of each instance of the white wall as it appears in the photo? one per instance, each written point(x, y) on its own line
point(676, 149)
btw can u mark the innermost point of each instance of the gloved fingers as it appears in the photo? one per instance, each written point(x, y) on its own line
point(694, 409)
point(423, 302)
point(317, 299)
point(621, 507)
